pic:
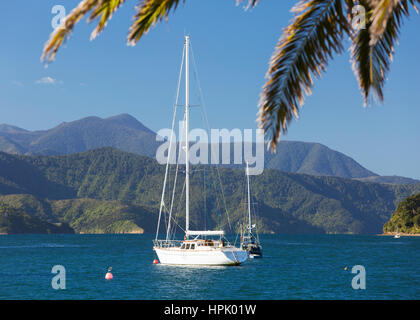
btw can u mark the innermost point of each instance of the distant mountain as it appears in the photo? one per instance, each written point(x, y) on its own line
point(122, 131)
point(389, 180)
point(107, 190)
point(126, 133)
point(6, 128)
point(10, 146)
point(314, 159)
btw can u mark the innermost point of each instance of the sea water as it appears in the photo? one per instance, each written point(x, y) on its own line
point(293, 267)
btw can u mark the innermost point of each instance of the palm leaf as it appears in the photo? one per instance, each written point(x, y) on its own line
point(251, 3)
point(103, 8)
point(148, 14)
point(382, 11)
point(302, 52)
point(151, 12)
point(372, 59)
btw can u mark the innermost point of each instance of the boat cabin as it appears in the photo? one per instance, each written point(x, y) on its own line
point(202, 244)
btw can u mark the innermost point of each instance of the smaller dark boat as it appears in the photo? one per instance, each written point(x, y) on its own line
point(250, 241)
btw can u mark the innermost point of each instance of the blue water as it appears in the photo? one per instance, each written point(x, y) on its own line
point(293, 267)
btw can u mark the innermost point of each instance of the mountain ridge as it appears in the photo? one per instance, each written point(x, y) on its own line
point(126, 133)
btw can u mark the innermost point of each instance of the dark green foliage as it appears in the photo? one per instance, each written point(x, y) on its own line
point(100, 216)
point(123, 190)
point(86, 215)
point(13, 220)
point(406, 218)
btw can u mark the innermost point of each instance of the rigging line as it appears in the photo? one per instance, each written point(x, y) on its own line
point(173, 190)
point(205, 199)
point(255, 205)
point(223, 197)
point(178, 90)
point(176, 215)
point(242, 219)
point(165, 216)
point(170, 145)
point(177, 226)
point(208, 127)
point(236, 239)
point(242, 206)
point(178, 210)
point(173, 124)
point(179, 78)
point(218, 206)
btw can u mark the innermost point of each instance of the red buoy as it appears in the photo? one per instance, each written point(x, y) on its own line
point(109, 276)
point(155, 261)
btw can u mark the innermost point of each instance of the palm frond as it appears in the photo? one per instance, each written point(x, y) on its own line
point(106, 9)
point(382, 11)
point(307, 44)
point(103, 8)
point(148, 14)
point(250, 4)
point(372, 59)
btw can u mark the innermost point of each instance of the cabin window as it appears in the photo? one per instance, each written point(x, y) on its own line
point(183, 246)
point(209, 243)
point(192, 246)
point(187, 246)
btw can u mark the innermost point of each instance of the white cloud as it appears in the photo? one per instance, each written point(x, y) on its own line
point(17, 83)
point(48, 80)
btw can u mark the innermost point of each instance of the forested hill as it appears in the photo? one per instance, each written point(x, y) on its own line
point(13, 220)
point(406, 219)
point(107, 190)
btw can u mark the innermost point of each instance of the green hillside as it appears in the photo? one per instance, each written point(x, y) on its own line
point(85, 215)
point(13, 220)
point(406, 218)
point(107, 190)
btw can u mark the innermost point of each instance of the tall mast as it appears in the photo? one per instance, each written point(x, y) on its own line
point(249, 197)
point(187, 160)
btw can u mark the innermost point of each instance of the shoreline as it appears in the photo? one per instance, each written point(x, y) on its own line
point(401, 234)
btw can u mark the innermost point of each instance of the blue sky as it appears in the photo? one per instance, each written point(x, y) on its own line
point(105, 77)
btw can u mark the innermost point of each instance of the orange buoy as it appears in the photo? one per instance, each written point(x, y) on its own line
point(155, 261)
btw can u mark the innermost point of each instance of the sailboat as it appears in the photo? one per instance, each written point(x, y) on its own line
point(397, 235)
point(206, 247)
point(249, 240)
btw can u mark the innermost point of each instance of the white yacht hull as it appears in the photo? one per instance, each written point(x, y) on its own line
point(215, 257)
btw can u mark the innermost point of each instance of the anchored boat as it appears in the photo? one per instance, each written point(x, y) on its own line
point(249, 239)
point(397, 235)
point(205, 247)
